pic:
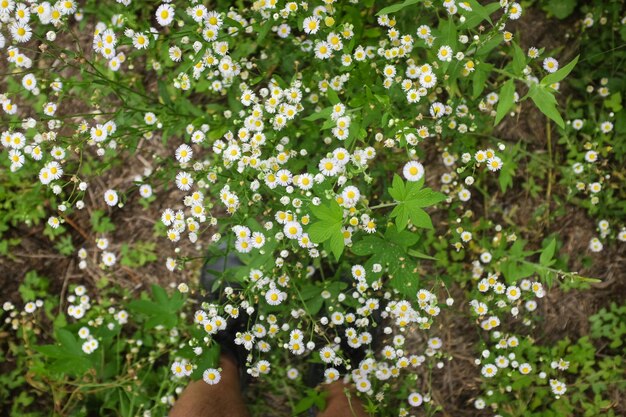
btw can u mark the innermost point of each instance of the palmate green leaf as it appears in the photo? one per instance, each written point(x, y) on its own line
point(401, 214)
point(328, 227)
point(397, 189)
point(507, 93)
point(387, 251)
point(321, 231)
point(546, 103)
point(420, 218)
point(396, 7)
point(426, 197)
point(412, 198)
point(557, 76)
point(333, 212)
point(404, 277)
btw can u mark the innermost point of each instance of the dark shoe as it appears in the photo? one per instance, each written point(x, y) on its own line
point(213, 278)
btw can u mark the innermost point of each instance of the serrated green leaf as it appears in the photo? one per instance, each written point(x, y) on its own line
point(337, 243)
point(401, 214)
point(397, 189)
point(505, 101)
point(401, 238)
point(426, 197)
point(320, 231)
point(333, 212)
point(420, 218)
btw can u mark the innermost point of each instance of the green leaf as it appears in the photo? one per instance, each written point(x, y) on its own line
point(160, 296)
point(557, 76)
point(479, 10)
point(548, 253)
point(337, 243)
point(320, 232)
point(397, 189)
point(100, 223)
point(328, 227)
point(332, 96)
point(145, 306)
point(401, 214)
point(421, 219)
point(479, 79)
point(323, 114)
point(505, 101)
point(614, 102)
point(411, 199)
point(396, 7)
point(519, 59)
point(265, 29)
point(68, 342)
point(421, 255)
point(426, 197)
point(333, 212)
point(404, 239)
point(546, 103)
point(561, 8)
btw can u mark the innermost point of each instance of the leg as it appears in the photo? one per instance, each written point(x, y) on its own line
point(339, 405)
point(220, 400)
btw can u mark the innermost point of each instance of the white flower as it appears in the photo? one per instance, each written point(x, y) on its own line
point(311, 25)
point(110, 197)
point(350, 196)
point(550, 64)
point(595, 245)
point(140, 41)
point(515, 11)
point(20, 31)
point(489, 371)
point(331, 374)
point(413, 171)
point(108, 258)
point(184, 153)
point(445, 53)
point(211, 376)
point(178, 369)
point(329, 167)
point(274, 297)
point(415, 399)
point(184, 181)
point(292, 230)
point(165, 14)
point(145, 190)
